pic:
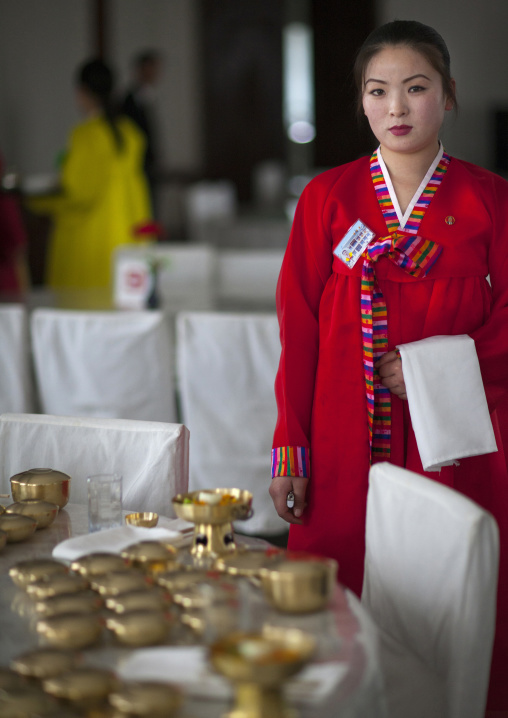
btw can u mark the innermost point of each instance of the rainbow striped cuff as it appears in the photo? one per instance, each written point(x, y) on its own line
point(291, 461)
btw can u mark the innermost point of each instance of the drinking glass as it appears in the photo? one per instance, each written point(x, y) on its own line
point(104, 501)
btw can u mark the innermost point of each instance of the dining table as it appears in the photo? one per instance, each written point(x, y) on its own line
point(342, 680)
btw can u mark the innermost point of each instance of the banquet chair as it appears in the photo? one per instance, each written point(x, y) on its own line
point(247, 278)
point(186, 276)
point(16, 387)
point(152, 457)
point(430, 586)
point(104, 364)
point(226, 365)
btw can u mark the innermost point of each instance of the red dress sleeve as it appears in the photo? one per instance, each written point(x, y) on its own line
point(491, 339)
point(305, 271)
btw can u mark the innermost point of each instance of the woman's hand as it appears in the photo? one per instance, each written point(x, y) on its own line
point(389, 368)
point(279, 489)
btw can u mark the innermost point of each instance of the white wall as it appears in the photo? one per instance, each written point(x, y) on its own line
point(475, 32)
point(43, 41)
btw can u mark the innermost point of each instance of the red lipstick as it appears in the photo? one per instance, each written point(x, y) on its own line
point(399, 130)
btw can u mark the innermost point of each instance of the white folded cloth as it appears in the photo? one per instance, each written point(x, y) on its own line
point(447, 400)
point(189, 667)
point(115, 540)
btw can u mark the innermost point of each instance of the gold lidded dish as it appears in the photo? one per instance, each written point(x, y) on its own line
point(56, 585)
point(141, 628)
point(71, 630)
point(44, 663)
point(300, 583)
point(151, 556)
point(45, 484)
point(43, 512)
point(17, 527)
point(86, 687)
point(146, 699)
point(248, 562)
point(178, 580)
point(86, 601)
point(27, 572)
point(97, 564)
point(149, 599)
point(146, 519)
point(118, 582)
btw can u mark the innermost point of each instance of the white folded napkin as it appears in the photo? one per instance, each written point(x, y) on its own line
point(447, 400)
point(115, 540)
point(189, 667)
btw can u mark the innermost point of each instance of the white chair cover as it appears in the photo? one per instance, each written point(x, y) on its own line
point(430, 585)
point(152, 457)
point(104, 364)
point(226, 365)
point(16, 391)
point(186, 277)
point(249, 277)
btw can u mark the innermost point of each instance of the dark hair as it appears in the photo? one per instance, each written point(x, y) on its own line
point(409, 33)
point(96, 78)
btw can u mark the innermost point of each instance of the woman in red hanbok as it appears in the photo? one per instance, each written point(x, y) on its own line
point(410, 188)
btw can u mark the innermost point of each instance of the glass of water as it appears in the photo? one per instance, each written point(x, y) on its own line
point(104, 501)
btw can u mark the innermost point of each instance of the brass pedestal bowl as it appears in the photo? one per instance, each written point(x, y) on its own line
point(212, 512)
point(258, 664)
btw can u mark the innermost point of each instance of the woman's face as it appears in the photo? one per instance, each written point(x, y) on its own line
point(404, 101)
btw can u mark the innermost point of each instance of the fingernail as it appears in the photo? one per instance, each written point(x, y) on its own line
point(297, 512)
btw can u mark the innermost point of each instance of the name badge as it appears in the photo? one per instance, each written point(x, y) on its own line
point(353, 243)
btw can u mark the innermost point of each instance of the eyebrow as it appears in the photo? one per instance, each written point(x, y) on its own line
point(408, 79)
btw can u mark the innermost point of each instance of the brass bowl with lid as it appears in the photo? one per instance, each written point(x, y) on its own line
point(44, 484)
point(86, 601)
point(146, 699)
point(98, 564)
point(141, 628)
point(24, 573)
point(17, 527)
point(42, 511)
point(154, 598)
point(118, 582)
point(44, 663)
point(85, 687)
point(71, 630)
point(56, 585)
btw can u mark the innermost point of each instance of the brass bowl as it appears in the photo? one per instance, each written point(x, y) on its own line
point(266, 658)
point(42, 511)
point(150, 599)
point(71, 630)
point(146, 699)
point(141, 628)
point(56, 585)
point(118, 582)
point(97, 564)
point(178, 580)
point(213, 513)
point(151, 556)
point(45, 484)
point(81, 602)
point(3, 539)
point(17, 527)
point(86, 687)
point(44, 663)
point(147, 519)
point(27, 572)
point(301, 585)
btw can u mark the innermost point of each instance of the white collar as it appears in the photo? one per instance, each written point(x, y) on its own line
point(416, 196)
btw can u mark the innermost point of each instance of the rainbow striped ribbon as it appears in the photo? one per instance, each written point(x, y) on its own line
point(291, 461)
point(416, 256)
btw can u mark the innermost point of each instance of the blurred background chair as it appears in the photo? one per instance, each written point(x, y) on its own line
point(209, 204)
point(104, 364)
point(247, 278)
point(186, 276)
point(152, 457)
point(226, 366)
point(430, 585)
point(16, 388)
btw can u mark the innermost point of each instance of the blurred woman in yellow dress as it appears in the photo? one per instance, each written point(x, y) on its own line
point(104, 196)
